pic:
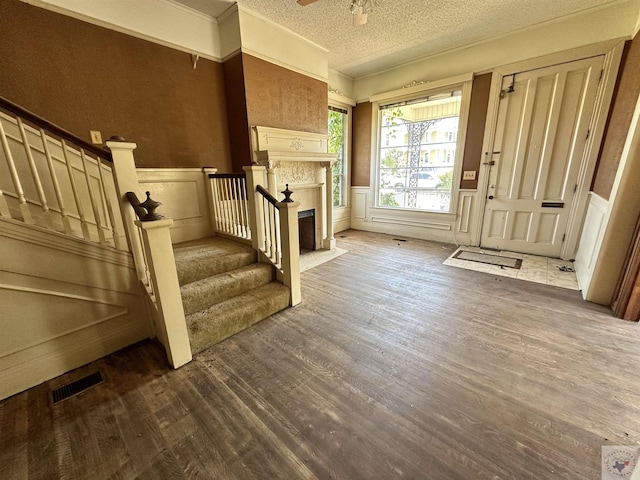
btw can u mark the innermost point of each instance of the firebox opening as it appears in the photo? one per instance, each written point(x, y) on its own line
point(307, 229)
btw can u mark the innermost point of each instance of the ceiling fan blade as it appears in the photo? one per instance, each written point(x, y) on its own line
point(306, 2)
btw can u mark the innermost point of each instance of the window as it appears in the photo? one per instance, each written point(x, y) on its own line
point(338, 131)
point(416, 172)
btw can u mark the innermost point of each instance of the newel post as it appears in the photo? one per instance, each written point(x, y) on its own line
point(290, 246)
point(211, 196)
point(126, 180)
point(329, 242)
point(255, 176)
point(172, 326)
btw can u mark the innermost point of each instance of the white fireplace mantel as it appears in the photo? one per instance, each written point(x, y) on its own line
point(300, 160)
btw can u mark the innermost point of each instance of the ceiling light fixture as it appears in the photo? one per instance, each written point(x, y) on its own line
point(360, 9)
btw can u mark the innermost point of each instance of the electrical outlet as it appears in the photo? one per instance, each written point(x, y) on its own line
point(96, 137)
point(469, 175)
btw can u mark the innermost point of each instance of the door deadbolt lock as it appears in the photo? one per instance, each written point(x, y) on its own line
point(490, 197)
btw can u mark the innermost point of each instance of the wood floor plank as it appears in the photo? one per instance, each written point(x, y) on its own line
point(394, 366)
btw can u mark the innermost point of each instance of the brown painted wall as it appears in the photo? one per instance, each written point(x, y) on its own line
point(239, 133)
point(280, 98)
point(81, 77)
point(623, 105)
point(361, 150)
point(475, 128)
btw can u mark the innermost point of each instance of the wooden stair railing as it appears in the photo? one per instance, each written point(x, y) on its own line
point(53, 179)
point(274, 227)
point(230, 207)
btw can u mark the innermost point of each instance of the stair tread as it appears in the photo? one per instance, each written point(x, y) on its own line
point(199, 259)
point(209, 291)
point(213, 324)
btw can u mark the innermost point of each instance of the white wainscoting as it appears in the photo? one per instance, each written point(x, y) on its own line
point(65, 302)
point(183, 194)
point(341, 219)
point(459, 228)
point(590, 241)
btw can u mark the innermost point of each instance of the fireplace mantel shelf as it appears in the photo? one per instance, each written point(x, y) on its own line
point(295, 156)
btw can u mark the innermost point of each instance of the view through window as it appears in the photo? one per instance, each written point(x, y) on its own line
point(337, 135)
point(418, 141)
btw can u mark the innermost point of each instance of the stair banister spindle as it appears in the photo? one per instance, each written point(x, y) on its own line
point(236, 207)
point(24, 206)
point(76, 196)
point(245, 202)
point(264, 212)
point(274, 245)
point(66, 223)
point(4, 207)
point(92, 198)
point(231, 223)
point(118, 241)
point(35, 175)
point(224, 204)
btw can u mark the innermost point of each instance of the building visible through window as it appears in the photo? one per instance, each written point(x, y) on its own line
point(416, 164)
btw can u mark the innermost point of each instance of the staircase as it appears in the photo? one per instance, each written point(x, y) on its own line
point(224, 290)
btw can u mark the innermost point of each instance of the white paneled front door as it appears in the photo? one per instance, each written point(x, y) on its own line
point(541, 131)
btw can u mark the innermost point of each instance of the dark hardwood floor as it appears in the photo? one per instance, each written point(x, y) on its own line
point(394, 366)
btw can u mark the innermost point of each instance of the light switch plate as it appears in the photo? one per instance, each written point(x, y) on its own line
point(469, 175)
point(96, 137)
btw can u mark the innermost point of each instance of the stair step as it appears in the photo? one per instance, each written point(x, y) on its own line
point(203, 293)
point(212, 325)
point(206, 257)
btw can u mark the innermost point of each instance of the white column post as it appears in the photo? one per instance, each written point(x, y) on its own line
point(329, 242)
point(162, 265)
point(290, 249)
point(211, 195)
point(255, 176)
point(126, 180)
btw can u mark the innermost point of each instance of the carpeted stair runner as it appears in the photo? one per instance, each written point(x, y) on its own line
point(224, 290)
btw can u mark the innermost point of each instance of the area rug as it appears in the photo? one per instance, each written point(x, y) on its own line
point(318, 257)
point(488, 259)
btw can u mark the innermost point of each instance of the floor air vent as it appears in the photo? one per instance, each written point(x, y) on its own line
point(76, 387)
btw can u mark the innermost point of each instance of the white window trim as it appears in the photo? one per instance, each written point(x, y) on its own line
point(463, 82)
point(339, 101)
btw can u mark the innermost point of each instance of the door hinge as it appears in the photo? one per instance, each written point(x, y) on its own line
point(564, 235)
point(601, 75)
point(588, 132)
point(575, 188)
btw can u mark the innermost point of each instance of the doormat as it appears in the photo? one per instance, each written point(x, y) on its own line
point(489, 259)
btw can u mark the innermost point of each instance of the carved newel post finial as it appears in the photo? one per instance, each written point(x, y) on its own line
point(150, 206)
point(287, 194)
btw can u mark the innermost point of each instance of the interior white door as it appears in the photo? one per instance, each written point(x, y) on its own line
point(541, 131)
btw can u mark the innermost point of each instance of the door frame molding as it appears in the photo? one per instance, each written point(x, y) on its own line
point(612, 51)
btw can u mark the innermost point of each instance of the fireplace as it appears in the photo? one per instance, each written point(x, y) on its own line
point(307, 230)
point(300, 160)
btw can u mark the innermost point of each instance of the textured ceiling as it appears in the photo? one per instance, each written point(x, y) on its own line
point(401, 30)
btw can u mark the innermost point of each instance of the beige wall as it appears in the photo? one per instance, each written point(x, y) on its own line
point(83, 77)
